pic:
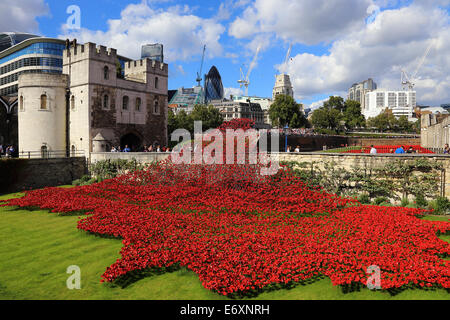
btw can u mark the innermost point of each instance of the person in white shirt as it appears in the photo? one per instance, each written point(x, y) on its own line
point(297, 149)
point(373, 150)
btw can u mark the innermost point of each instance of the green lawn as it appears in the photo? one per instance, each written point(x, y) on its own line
point(37, 247)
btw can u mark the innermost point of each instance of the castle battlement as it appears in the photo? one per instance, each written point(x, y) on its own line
point(145, 65)
point(90, 50)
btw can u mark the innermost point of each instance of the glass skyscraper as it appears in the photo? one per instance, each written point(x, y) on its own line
point(23, 53)
point(153, 52)
point(213, 85)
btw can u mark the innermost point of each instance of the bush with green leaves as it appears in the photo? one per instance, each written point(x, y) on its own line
point(393, 182)
point(108, 169)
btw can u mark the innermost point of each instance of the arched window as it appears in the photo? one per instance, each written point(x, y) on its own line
point(156, 83)
point(72, 102)
point(106, 73)
point(106, 102)
point(21, 107)
point(138, 104)
point(125, 103)
point(43, 102)
point(156, 107)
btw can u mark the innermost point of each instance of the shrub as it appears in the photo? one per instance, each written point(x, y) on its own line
point(441, 205)
point(405, 202)
point(364, 199)
point(381, 200)
point(421, 202)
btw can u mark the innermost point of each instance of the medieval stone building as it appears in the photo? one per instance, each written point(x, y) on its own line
point(99, 101)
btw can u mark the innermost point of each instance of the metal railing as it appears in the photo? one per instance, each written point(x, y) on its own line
point(50, 154)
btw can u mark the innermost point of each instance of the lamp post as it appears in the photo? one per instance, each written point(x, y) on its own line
point(286, 127)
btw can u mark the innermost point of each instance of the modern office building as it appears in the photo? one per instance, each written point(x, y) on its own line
point(213, 85)
point(27, 54)
point(401, 103)
point(186, 98)
point(153, 52)
point(358, 91)
point(10, 39)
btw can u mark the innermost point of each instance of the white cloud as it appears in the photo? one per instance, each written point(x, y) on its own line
point(20, 15)
point(182, 33)
point(303, 21)
point(232, 91)
point(318, 104)
point(395, 40)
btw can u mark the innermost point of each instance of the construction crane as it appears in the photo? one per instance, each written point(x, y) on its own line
point(199, 74)
point(288, 56)
point(409, 82)
point(245, 80)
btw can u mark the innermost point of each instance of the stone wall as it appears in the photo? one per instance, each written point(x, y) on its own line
point(25, 174)
point(316, 143)
point(348, 161)
point(343, 160)
point(141, 157)
point(435, 131)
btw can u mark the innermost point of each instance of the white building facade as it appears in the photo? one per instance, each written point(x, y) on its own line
point(401, 103)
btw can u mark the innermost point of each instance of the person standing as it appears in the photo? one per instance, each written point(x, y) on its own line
point(126, 149)
point(446, 149)
point(373, 150)
point(400, 150)
point(297, 149)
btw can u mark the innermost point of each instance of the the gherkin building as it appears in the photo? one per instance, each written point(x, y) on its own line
point(213, 85)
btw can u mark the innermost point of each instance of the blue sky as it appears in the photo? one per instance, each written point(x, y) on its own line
point(262, 77)
point(335, 43)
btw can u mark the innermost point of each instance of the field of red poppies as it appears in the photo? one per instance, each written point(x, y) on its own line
point(241, 232)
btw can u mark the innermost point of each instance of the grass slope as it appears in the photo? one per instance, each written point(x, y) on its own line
point(37, 247)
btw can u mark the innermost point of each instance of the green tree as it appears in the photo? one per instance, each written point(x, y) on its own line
point(352, 115)
point(285, 110)
point(383, 122)
point(325, 118)
point(335, 103)
point(210, 116)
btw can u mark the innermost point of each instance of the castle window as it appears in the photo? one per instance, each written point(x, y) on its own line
point(21, 108)
point(125, 103)
point(72, 102)
point(156, 107)
point(156, 83)
point(43, 102)
point(138, 104)
point(106, 102)
point(106, 73)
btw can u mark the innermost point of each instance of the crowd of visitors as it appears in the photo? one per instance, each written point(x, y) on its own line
point(8, 151)
point(152, 148)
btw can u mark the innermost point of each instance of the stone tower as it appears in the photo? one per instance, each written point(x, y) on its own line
point(282, 86)
point(42, 112)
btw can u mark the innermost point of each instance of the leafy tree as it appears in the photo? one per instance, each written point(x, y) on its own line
point(383, 122)
point(325, 118)
point(335, 103)
point(404, 125)
point(210, 117)
point(352, 115)
point(285, 110)
point(119, 70)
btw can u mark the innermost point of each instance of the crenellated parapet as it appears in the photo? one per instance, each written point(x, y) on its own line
point(89, 50)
